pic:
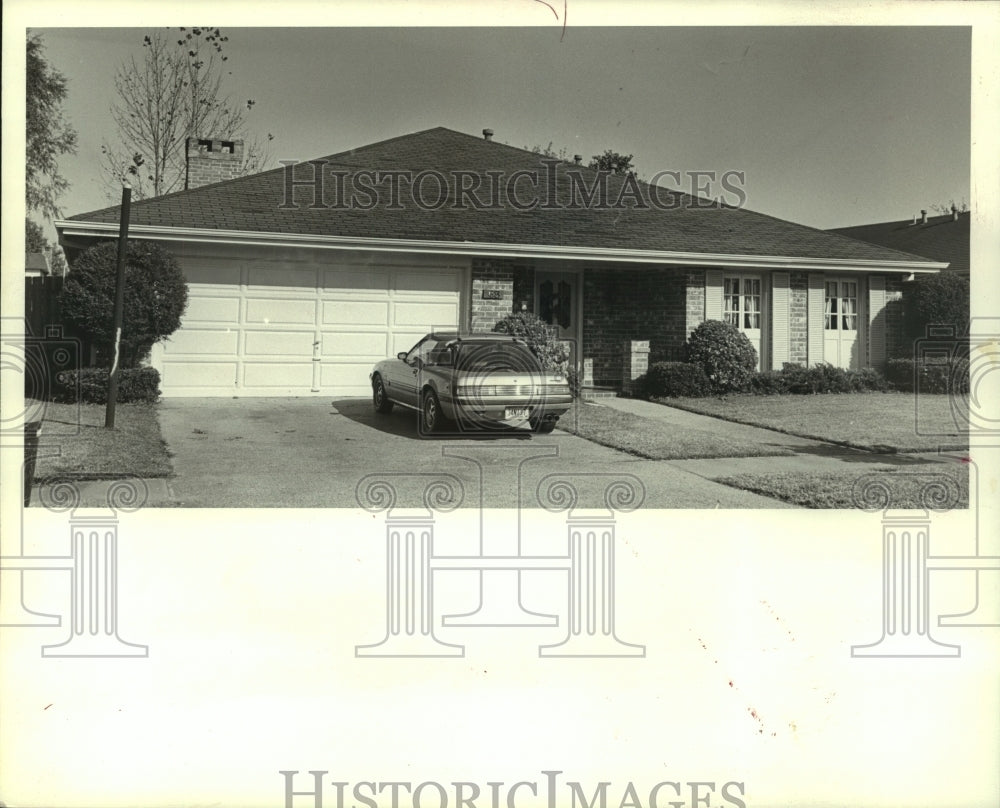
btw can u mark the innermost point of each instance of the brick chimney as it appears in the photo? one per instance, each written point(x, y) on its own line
point(211, 161)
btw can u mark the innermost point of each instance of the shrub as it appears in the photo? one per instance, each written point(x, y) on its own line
point(552, 353)
point(134, 385)
point(155, 298)
point(725, 355)
point(929, 375)
point(769, 383)
point(795, 379)
point(680, 379)
point(939, 299)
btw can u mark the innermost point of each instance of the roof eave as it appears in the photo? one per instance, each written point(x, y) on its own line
point(75, 228)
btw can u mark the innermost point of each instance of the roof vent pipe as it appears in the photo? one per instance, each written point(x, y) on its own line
point(578, 158)
point(488, 134)
point(954, 213)
point(923, 217)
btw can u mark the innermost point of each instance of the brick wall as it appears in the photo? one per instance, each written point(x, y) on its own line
point(211, 161)
point(798, 312)
point(623, 304)
point(695, 300)
point(490, 274)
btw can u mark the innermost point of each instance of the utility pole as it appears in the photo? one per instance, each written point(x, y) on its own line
point(109, 414)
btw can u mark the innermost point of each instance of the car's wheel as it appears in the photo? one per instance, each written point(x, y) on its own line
point(543, 427)
point(431, 417)
point(379, 397)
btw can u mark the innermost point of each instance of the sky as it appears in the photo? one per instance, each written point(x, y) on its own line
point(833, 126)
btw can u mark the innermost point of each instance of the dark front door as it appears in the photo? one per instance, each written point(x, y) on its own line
point(557, 303)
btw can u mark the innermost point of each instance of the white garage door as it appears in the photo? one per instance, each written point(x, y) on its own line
point(281, 328)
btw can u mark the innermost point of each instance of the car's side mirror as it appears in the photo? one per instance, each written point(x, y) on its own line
point(401, 355)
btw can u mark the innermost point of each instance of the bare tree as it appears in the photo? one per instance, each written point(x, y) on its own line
point(175, 92)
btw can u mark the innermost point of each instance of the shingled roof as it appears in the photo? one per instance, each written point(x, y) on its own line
point(940, 238)
point(690, 225)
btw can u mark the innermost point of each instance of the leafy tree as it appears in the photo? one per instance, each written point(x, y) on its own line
point(609, 160)
point(549, 151)
point(612, 161)
point(155, 298)
point(941, 299)
point(176, 91)
point(48, 135)
point(35, 241)
point(951, 206)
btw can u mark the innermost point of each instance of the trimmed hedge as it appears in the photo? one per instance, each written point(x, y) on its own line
point(825, 378)
point(928, 375)
point(822, 378)
point(724, 353)
point(90, 386)
point(674, 379)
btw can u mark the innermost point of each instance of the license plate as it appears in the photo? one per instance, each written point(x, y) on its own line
point(516, 413)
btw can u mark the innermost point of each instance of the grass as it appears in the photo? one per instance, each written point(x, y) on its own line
point(836, 490)
point(653, 439)
point(74, 443)
point(884, 422)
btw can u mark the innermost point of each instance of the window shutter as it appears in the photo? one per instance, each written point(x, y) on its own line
point(779, 320)
point(713, 294)
point(876, 320)
point(814, 349)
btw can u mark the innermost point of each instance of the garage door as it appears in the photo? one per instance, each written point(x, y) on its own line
point(281, 328)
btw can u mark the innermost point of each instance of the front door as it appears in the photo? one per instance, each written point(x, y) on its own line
point(742, 306)
point(841, 323)
point(557, 303)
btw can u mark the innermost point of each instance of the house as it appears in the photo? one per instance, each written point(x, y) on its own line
point(941, 238)
point(300, 278)
point(36, 265)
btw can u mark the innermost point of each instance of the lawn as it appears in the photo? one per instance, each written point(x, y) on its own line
point(74, 443)
point(653, 439)
point(884, 422)
point(835, 490)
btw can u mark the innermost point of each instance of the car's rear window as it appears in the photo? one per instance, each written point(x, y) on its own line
point(495, 356)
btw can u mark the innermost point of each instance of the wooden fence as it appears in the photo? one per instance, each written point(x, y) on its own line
point(41, 303)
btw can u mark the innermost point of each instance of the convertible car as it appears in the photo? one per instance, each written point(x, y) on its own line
point(475, 381)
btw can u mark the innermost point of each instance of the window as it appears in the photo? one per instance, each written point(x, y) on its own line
point(430, 352)
point(841, 308)
point(741, 302)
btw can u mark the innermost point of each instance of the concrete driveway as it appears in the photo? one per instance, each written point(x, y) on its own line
point(311, 452)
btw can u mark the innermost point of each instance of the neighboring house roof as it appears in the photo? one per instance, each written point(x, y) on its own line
point(941, 238)
point(252, 204)
point(36, 263)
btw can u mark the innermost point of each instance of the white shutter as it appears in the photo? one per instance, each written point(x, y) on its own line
point(779, 320)
point(814, 354)
point(876, 320)
point(713, 294)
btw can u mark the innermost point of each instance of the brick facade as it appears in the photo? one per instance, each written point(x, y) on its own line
point(622, 304)
point(695, 301)
point(798, 312)
point(495, 275)
point(661, 305)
